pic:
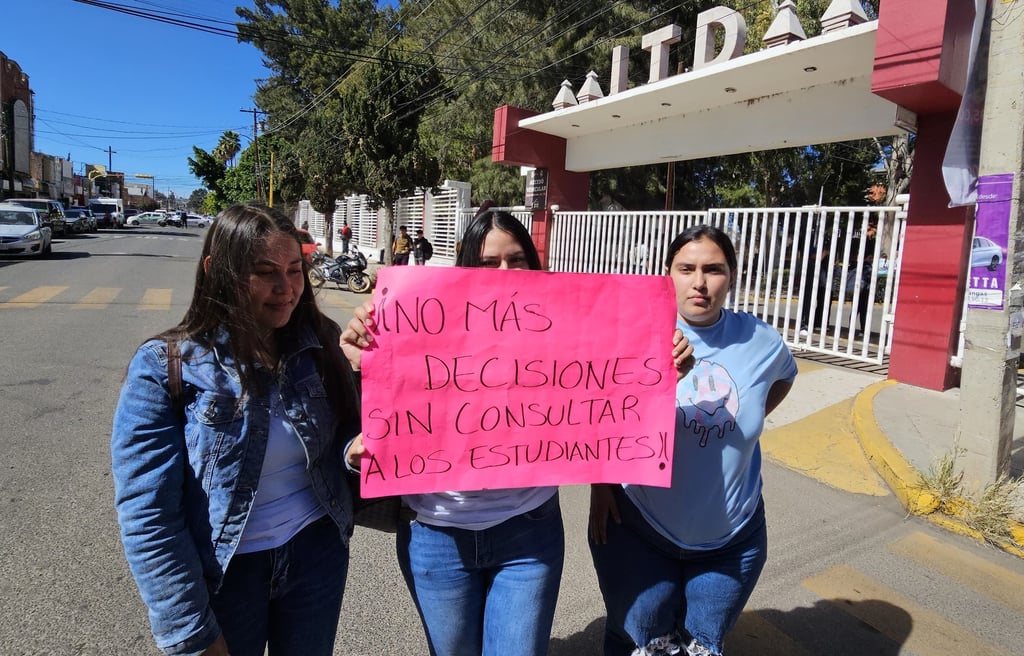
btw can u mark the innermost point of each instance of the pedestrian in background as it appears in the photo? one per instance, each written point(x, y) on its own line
point(483, 567)
point(234, 507)
point(307, 241)
point(401, 247)
point(676, 565)
point(422, 250)
point(816, 289)
point(346, 236)
point(861, 275)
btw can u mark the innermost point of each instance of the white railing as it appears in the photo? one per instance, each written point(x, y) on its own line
point(779, 274)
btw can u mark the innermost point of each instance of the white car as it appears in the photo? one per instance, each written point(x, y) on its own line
point(198, 221)
point(986, 253)
point(149, 218)
point(23, 232)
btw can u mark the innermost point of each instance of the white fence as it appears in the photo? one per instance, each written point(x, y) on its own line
point(798, 267)
point(779, 273)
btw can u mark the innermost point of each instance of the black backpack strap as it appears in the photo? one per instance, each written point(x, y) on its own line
point(174, 386)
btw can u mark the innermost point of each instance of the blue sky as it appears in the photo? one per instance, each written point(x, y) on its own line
point(146, 89)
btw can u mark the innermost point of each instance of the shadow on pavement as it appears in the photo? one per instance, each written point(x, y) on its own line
point(587, 641)
point(66, 255)
point(837, 627)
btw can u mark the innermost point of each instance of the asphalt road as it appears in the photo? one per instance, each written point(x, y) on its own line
point(847, 574)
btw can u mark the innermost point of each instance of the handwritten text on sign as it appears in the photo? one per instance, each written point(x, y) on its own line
point(483, 379)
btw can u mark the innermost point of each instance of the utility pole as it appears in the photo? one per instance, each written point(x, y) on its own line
point(256, 152)
point(110, 159)
point(988, 388)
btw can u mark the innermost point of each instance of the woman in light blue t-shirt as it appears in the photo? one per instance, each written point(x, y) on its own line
point(676, 565)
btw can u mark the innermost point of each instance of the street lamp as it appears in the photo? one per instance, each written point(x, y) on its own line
point(147, 176)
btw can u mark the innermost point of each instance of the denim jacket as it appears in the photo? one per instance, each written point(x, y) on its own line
point(183, 492)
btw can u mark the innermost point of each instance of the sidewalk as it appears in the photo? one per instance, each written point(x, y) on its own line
point(860, 433)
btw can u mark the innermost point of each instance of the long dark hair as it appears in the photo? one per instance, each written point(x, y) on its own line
point(220, 300)
point(704, 231)
point(483, 223)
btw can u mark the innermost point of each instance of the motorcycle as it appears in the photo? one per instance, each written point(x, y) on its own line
point(348, 269)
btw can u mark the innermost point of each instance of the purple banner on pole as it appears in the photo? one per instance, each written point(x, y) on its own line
point(987, 277)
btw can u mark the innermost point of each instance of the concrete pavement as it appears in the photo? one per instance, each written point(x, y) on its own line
point(860, 433)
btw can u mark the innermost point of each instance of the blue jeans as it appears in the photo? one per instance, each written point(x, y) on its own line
point(652, 587)
point(490, 592)
point(288, 598)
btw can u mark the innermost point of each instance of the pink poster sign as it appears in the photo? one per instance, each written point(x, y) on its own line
point(482, 379)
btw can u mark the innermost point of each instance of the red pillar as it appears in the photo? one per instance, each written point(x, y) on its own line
point(932, 276)
point(921, 64)
point(522, 147)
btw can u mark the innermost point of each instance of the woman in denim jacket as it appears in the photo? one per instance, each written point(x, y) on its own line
point(234, 507)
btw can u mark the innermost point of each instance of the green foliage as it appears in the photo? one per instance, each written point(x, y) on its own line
point(207, 168)
point(312, 46)
point(196, 199)
point(380, 111)
point(366, 98)
point(497, 182)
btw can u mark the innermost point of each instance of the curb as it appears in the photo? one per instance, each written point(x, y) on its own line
point(902, 478)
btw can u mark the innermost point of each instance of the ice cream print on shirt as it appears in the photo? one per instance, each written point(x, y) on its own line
point(709, 401)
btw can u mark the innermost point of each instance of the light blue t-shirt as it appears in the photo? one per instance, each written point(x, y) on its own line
point(716, 469)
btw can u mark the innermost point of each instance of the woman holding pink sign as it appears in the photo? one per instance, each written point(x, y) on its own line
point(676, 565)
point(483, 567)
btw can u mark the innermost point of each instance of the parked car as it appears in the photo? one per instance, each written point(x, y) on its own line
point(986, 253)
point(109, 211)
point(94, 224)
point(198, 221)
point(23, 231)
point(80, 220)
point(51, 211)
point(149, 218)
point(130, 212)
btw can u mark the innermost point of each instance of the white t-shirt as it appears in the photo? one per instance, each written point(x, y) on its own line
point(479, 510)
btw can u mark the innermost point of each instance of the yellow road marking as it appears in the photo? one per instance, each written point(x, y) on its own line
point(923, 632)
point(33, 298)
point(753, 634)
point(156, 299)
point(806, 366)
point(97, 299)
point(824, 447)
point(992, 581)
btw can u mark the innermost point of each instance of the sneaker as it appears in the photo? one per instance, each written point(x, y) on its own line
point(669, 645)
point(803, 332)
point(697, 649)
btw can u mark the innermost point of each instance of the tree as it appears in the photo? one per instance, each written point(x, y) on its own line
point(381, 109)
point(312, 46)
point(239, 183)
point(197, 198)
point(323, 145)
point(227, 148)
point(207, 168)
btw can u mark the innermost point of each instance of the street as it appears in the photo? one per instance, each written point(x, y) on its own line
point(847, 574)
